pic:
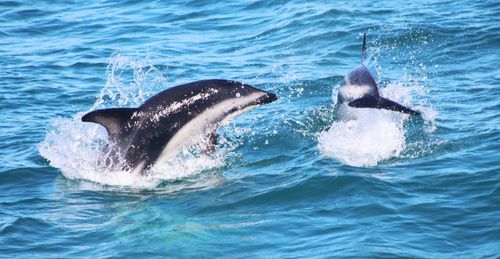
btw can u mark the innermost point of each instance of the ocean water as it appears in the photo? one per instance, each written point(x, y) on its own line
point(288, 179)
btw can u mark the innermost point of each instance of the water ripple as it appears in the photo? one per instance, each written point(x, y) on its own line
point(274, 191)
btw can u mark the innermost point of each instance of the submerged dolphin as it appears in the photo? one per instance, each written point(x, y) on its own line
point(172, 119)
point(359, 90)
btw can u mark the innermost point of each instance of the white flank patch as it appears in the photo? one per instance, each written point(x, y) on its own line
point(202, 124)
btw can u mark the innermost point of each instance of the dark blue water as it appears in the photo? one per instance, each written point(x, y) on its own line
point(289, 179)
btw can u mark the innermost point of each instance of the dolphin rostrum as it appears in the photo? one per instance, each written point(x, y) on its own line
point(359, 90)
point(172, 119)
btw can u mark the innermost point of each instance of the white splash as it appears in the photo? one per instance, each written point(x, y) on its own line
point(365, 137)
point(76, 147)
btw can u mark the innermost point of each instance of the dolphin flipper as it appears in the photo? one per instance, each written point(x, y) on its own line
point(212, 142)
point(381, 103)
point(112, 119)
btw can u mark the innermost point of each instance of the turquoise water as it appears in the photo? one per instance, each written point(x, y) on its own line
point(289, 179)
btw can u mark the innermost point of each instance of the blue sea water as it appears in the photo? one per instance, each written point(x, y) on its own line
point(289, 179)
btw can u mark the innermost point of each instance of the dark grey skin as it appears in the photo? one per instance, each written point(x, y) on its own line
point(140, 135)
point(360, 90)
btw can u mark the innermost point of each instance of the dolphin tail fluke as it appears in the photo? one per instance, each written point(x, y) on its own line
point(112, 119)
point(363, 50)
point(381, 103)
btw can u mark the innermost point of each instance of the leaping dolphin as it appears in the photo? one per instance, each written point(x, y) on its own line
point(359, 90)
point(171, 119)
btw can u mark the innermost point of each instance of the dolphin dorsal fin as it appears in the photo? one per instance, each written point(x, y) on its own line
point(363, 50)
point(112, 119)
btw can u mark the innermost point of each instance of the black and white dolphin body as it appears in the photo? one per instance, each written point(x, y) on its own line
point(360, 90)
point(172, 119)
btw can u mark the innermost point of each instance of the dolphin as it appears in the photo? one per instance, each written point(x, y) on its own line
point(141, 137)
point(360, 90)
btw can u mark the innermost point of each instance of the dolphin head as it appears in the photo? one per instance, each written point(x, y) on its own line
point(266, 97)
point(357, 84)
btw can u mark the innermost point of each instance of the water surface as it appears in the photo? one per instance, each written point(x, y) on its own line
point(289, 178)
